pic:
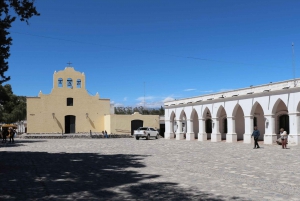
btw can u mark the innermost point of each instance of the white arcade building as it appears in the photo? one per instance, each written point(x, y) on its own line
point(231, 115)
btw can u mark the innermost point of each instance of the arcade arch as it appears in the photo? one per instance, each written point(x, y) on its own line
point(183, 120)
point(195, 122)
point(173, 125)
point(281, 113)
point(222, 116)
point(238, 115)
point(208, 122)
point(258, 119)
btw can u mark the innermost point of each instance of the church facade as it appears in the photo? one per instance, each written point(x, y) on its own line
point(70, 109)
point(230, 116)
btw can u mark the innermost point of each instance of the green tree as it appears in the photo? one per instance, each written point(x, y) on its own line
point(13, 108)
point(140, 109)
point(9, 11)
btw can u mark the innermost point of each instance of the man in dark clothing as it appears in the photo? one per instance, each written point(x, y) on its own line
point(255, 134)
point(12, 135)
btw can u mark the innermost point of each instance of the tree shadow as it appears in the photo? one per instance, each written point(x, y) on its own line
point(18, 143)
point(59, 176)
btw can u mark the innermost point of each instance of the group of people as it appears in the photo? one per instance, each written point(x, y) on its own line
point(10, 132)
point(105, 134)
point(283, 137)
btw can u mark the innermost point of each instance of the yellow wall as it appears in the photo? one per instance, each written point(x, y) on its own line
point(46, 113)
point(121, 124)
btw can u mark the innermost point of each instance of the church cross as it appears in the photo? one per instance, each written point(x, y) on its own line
point(69, 63)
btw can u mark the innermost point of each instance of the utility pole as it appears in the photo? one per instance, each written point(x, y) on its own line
point(294, 69)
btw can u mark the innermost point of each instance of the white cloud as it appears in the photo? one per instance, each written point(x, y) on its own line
point(207, 91)
point(142, 98)
point(154, 104)
point(169, 98)
point(152, 101)
point(190, 89)
point(118, 105)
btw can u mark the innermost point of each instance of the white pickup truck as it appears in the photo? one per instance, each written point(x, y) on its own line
point(145, 132)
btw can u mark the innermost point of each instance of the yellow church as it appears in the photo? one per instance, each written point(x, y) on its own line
point(70, 109)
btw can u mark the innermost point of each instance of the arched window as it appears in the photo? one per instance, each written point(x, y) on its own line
point(208, 126)
point(78, 83)
point(60, 82)
point(69, 83)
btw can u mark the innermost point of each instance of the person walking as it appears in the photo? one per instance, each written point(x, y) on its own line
point(106, 136)
point(255, 134)
point(12, 135)
point(283, 136)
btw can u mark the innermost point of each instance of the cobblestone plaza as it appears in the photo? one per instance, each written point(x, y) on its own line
point(127, 169)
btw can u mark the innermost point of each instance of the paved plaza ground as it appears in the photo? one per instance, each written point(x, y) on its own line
point(127, 169)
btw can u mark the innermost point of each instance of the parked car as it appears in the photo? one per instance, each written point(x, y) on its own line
point(145, 132)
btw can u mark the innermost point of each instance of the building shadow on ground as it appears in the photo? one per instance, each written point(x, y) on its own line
point(19, 142)
point(86, 176)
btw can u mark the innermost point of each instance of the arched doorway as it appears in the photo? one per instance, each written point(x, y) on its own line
point(173, 125)
point(258, 119)
point(284, 122)
point(222, 116)
point(194, 118)
point(281, 117)
point(207, 123)
point(238, 113)
point(208, 126)
point(70, 124)
point(182, 127)
point(135, 124)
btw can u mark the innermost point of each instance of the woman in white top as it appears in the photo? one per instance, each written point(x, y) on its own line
point(284, 137)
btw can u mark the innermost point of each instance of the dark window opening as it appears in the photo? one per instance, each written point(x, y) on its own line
point(69, 101)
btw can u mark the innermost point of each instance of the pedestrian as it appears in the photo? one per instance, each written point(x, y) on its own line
point(103, 134)
point(255, 134)
point(106, 136)
point(283, 136)
point(12, 135)
point(4, 134)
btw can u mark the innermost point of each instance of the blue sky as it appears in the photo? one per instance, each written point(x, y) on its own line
point(177, 48)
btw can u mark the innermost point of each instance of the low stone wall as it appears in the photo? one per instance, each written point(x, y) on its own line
point(65, 136)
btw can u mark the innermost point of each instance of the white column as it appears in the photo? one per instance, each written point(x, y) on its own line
point(202, 136)
point(169, 130)
point(179, 133)
point(216, 135)
point(190, 135)
point(231, 136)
point(294, 136)
point(248, 129)
point(270, 135)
